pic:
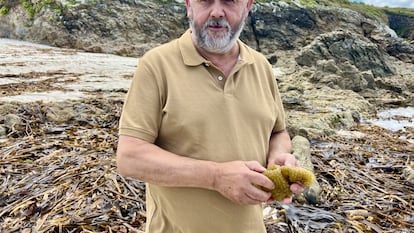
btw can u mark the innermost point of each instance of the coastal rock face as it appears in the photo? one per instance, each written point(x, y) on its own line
point(346, 49)
point(127, 28)
point(279, 26)
point(132, 27)
point(403, 24)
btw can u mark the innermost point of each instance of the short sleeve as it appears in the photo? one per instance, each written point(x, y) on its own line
point(280, 123)
point(142, 110)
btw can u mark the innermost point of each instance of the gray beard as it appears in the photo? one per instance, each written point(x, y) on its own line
point(220, 45)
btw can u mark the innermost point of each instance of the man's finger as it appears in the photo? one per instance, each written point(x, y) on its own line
point(255, 166)
point(296, 188)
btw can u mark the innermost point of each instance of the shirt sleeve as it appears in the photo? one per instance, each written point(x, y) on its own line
point(280, 123)
point(142, 110)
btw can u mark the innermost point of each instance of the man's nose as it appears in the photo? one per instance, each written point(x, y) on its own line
point(217, 10)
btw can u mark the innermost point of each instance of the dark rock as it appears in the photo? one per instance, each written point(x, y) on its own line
point(402, 24)
point(401, 49)
point(278, 25)
point(347, 48)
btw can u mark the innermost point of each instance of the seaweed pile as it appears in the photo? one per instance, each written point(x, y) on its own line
point(363, 179)
point(365, 186)
point(60, 176)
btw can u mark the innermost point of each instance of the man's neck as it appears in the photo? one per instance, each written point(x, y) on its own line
point(224, 61)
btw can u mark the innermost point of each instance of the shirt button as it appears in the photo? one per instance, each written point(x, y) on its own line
point(220, 78)
point(206, 64)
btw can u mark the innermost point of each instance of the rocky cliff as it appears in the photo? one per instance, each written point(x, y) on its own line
point(131, 27)
point(402, 24)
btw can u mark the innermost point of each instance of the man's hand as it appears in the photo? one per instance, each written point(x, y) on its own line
point(239, 181)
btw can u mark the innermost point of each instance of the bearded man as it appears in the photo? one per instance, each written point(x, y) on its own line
point(201, 121)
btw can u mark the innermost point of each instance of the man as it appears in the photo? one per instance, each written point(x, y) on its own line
point(202, 119)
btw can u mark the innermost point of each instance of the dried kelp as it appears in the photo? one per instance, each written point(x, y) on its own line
point(65, 180)
point(363, 189)
point(57, 174)
point(361, 180)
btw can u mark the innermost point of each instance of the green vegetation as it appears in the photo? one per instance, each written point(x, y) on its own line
point(400, 11)
point(402, 31)
point(32, 7)
point(4, 10)
point(368, 10)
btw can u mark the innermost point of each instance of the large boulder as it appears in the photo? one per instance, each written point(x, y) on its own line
point(347, 48)
point(279, 26)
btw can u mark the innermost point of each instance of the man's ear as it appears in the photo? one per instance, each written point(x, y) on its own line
point(249, 5)
point(189, 11)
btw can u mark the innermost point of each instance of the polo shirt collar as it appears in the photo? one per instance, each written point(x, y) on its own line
point(191, 57)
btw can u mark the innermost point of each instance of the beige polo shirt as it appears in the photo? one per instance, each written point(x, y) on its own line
point(184, 104)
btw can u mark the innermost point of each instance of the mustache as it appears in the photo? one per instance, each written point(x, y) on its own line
point(217, 22)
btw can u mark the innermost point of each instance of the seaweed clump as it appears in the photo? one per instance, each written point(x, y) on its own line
point(284, 176)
